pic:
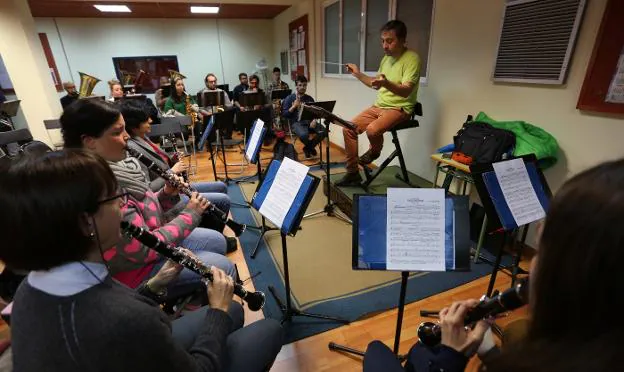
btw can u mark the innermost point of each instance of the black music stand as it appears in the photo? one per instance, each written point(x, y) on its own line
point(290, 227)
point(245, 119)
point(166, 90)
point(308, 115)
point(369, 248)
point(311, 111)
point(8, 109)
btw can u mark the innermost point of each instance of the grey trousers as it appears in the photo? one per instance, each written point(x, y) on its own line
point(252, 348)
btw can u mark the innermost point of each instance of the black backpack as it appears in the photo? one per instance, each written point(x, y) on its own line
point(284, 149)
point(483, 143)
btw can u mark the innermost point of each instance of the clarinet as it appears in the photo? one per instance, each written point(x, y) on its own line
point(255, 300)
point(517, 296)
point(169, 176)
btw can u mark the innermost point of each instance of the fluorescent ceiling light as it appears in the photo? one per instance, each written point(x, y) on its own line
point(205, 9)
point(113, 8)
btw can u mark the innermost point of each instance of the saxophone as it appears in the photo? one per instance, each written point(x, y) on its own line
point(189, 111)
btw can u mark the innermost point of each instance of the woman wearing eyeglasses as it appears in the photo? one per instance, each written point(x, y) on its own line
point(60, 213)
point(99, 127)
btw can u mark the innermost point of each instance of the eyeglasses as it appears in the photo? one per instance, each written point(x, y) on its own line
point(123, 197)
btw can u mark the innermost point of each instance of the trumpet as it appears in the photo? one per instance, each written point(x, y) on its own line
point(238, 228)
point(255, 300)
point(515, 297)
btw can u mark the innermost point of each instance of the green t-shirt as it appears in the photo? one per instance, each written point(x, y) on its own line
point(399, 71)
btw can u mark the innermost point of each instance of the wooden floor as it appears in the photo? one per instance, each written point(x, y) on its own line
point(312, 354)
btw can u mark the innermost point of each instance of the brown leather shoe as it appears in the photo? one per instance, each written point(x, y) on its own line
point(367, 158)
point(349, 179)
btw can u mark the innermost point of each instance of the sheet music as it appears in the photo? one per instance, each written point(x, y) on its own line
point(255, 137)
point(284, 189)
point(518, 191)
point(415, 230)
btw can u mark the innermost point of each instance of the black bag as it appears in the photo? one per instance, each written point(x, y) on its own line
point(482, 142)
point(284, 149)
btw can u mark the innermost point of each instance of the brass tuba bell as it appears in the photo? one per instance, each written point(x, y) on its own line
point(87, 83)
point(175, 74)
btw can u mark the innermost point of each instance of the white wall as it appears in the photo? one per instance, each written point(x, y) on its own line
point(90, 44)
point(281, 41)
point(463, 49)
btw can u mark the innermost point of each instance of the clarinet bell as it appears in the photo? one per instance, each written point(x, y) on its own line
point(429, 334)
point(255, 300)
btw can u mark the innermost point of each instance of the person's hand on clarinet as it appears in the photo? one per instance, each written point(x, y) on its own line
point(179, 167)
point(220, 290)
point(171, 189)
point(454, 332)
point(197, 203)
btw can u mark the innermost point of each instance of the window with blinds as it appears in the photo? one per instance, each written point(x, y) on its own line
point(536, 41)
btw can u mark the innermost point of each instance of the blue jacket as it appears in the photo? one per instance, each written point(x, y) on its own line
point(288, 102)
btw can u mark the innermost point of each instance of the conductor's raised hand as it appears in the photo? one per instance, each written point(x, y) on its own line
point(454, 332)
point(220, 290)
point(352, 68)
point(379, 82)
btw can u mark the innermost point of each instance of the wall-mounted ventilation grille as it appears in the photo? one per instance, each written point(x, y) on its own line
point(537, 39)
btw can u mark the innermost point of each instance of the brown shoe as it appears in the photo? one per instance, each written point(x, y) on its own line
point(349, 179)
point(367, 158)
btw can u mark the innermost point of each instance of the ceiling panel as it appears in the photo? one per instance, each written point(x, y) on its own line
point(85, 9)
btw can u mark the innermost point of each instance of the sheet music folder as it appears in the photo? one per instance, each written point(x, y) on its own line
point(369, 233)
point(308, 115)
point(492, 197)
point(300, 204)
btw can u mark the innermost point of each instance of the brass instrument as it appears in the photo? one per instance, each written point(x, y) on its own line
point(87, 83)
point(189, 111)
point(174, 74)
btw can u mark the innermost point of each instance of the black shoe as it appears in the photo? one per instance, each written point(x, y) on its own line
point(368, 158)
point(307, 154)
point(313, 151)
point(350, 179)
point(231, 244)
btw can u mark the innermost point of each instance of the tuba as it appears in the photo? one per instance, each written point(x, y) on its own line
point(87, 83)
point(174, 74)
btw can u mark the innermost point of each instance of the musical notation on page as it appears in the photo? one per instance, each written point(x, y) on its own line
point(284, 189)
point(415, 230)
point(518, 191)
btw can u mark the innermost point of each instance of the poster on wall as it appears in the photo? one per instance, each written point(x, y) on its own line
point(616, 88)
point(294, 40)
point(293, 61)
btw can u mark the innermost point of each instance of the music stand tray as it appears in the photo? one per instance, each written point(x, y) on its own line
point(211, 98)
point(309, 115)
point(252, 99)
point(10, 108)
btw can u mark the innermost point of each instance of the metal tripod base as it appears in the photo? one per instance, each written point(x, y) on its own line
point(263, 230)
point(289, 313)
point(331, 212)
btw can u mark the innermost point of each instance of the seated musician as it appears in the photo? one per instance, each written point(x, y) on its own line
point(397, 83)
point(159, 96)
point(302, 128)
point(277, 82)
point(177, 105)
point(116, 90)
point(211, 86)
point(267, 112)
point(239, 89)
point(61, 210)
point(572, 291)
point(99, 127)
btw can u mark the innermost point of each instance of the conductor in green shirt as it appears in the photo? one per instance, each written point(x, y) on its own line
point(397, 85)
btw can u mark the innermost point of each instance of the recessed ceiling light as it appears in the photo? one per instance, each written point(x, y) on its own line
point(205, 9)
point(113, 8)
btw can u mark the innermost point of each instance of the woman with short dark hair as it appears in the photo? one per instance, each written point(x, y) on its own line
point(99, 127)
point(61, 210)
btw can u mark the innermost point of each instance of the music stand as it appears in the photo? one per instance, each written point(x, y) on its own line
point(244, 119)
point(138, 97)
point(289, 226)
point(369, 246)
point(8, 109)
point(307, 115)
point(317, 112)
point(166, 90)
point(204, 138)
